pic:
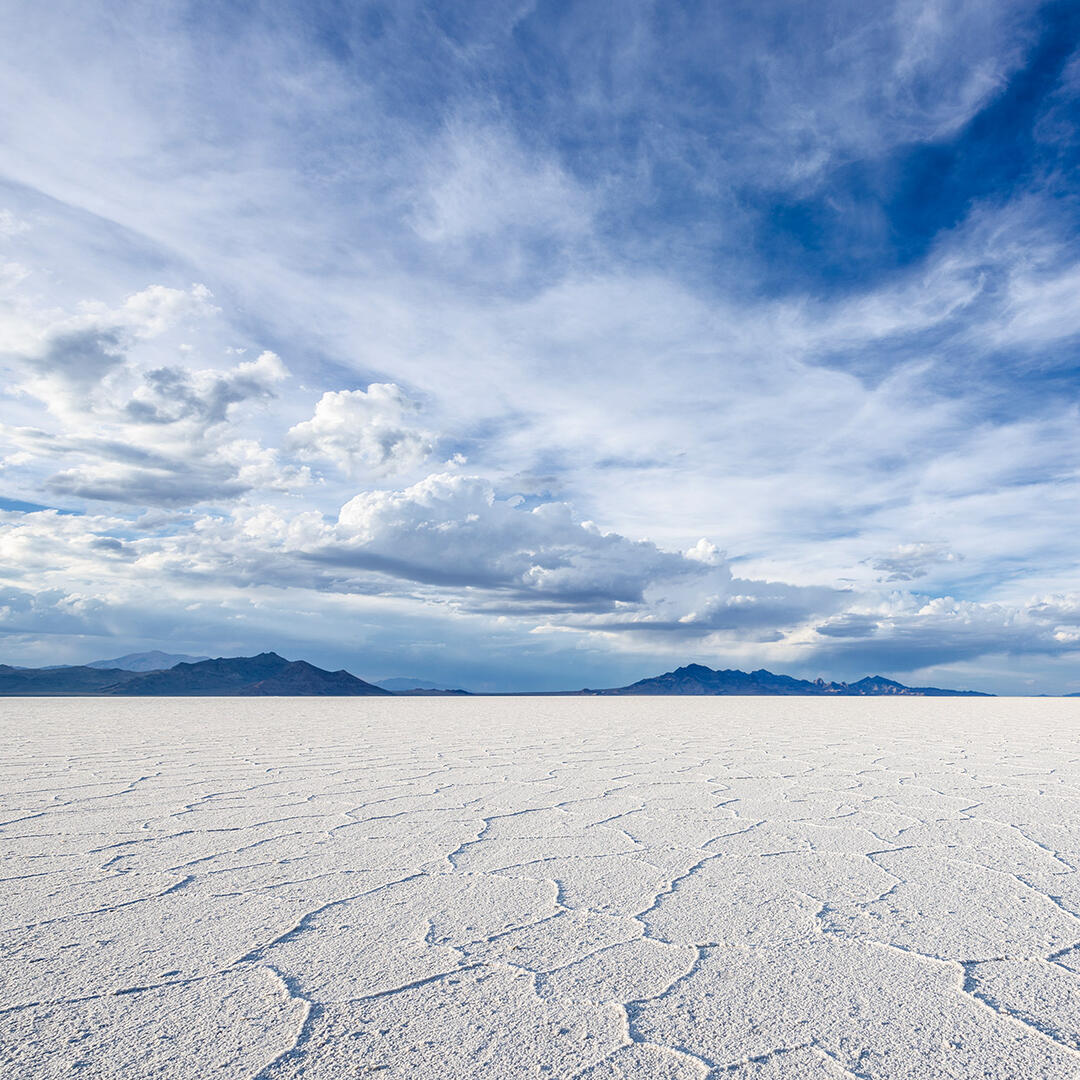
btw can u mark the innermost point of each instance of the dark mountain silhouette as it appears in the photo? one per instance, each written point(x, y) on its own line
point(698, 680)
point(262, 675)
point(16, 681)
point(419, 692)
point(269, 674)
point(879, 685)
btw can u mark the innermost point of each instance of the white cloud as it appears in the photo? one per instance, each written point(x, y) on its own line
point(363, 431)
point(450, 531)
point(705, 551)
point(480, 183)
point(11, 224)
point(583, 318)
point(74, 364)
point(135, 430)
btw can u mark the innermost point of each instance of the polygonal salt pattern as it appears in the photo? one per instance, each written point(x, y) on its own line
point(580, 889)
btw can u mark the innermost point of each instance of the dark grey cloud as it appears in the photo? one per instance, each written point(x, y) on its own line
point(944, 631)
point(82, 357)
point(849, 626)
point(170, 395)
point(182, 485)
point(907, 562)
point(449, 531)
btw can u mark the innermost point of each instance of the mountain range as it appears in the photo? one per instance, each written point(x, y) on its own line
point(698, 680)
point(403, 684)
point(246, 676)
point(250, 676)
point(271, 675)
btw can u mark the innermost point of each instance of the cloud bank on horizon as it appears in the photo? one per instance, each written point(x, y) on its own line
point(541, 345)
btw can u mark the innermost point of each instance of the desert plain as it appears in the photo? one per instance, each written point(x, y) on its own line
point(574, 888)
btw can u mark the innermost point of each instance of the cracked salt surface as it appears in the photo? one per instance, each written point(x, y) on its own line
point(571, 888)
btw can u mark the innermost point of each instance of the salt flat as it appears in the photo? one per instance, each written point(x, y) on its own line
point(593, 888)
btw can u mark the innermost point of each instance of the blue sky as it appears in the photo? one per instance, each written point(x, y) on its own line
point(543, 345)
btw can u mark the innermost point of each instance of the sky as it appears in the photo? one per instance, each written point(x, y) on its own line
point(543, 345)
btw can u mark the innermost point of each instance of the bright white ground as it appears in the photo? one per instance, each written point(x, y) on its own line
point(559, 888)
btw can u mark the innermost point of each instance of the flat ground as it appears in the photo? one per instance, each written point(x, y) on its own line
point(499, 888)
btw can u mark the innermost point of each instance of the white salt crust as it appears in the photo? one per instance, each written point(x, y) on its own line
point(524, 887)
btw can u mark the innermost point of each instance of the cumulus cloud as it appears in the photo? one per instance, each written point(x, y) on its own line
point(705, 551)
point(363, 431)
point(68, 360)
point(85, 368)
point(141, 432)
point(49, 611)
point(449, 540)
point(451, 531)
point(761, 605)
point(170, 395)
point(39, 543)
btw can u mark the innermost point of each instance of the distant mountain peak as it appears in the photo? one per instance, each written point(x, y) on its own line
point(266, 674)
point(405, 684)
point(699, 680)
point(154, 660)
